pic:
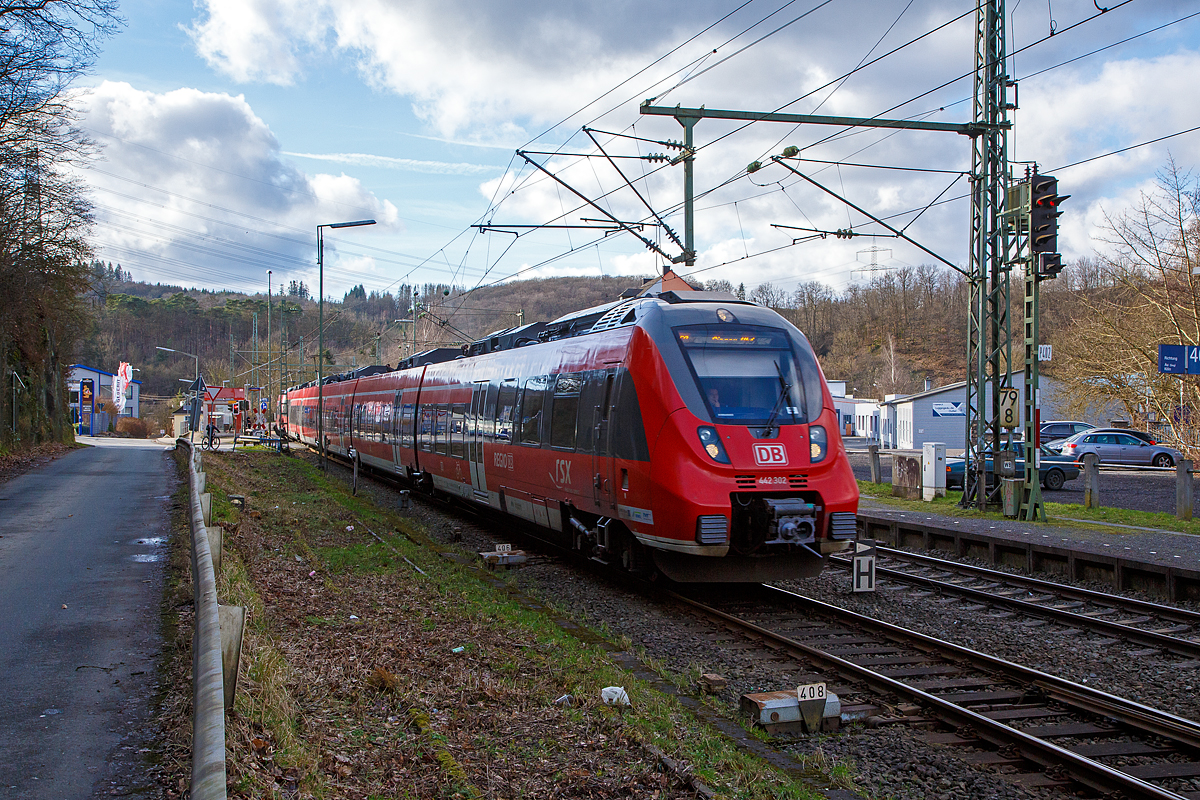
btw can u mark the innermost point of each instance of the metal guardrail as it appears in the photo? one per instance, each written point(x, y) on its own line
point(208, 678)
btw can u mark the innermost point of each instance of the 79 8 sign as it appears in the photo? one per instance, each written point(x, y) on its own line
point(1010, 416)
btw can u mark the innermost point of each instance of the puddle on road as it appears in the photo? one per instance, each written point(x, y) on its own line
point(49, 712)
point(152, 540)
point(147, 558)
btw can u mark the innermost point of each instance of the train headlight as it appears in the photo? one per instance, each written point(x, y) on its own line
point(711, 442)
point(818, 443)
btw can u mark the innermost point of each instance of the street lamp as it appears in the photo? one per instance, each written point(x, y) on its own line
point(189, 355)
point(379, 338)
point(180, 352)
point(321, 326)
point(270, 404)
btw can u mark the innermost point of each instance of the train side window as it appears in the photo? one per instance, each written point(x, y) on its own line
point(505, 410)
point(441, 429)
point(406, 425)
point(458, 430)
point(564, 411)
point(608, 396)
point(532, 404)
point(425, 431)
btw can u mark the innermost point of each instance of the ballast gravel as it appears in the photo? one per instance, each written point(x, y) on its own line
point(886, 762)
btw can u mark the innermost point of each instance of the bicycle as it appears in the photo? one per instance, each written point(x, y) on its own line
point(211, 441)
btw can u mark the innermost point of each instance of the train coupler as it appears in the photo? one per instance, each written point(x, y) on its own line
point(786, 520)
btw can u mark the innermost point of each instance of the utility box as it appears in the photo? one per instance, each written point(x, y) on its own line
point(906, 477)
point(933, 470)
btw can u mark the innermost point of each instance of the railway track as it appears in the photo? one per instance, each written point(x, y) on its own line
point(1042, 730)
point(1168, 628)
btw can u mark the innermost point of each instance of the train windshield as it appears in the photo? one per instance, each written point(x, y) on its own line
point(750, 375)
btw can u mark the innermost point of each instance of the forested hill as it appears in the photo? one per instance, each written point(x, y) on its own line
point(882, 336)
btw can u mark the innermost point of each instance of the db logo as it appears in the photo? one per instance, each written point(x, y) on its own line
point(770, 455)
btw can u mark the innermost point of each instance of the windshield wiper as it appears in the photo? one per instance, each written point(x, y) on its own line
point(784, 389)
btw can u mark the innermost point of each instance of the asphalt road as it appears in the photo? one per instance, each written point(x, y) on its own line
point(82, 560)
point(1119, 488)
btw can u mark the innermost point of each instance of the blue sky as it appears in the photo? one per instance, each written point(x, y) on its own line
point(230, 128)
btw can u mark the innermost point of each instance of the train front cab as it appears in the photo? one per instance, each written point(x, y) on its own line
point(748, 460)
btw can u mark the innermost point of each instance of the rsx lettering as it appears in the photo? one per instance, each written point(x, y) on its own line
point(562, 472)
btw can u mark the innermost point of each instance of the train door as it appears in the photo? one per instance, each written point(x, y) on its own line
point(602, 455)
point(397, 429)
point(476, 428)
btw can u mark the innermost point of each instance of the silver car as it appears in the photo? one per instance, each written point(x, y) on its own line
point(1120, 448)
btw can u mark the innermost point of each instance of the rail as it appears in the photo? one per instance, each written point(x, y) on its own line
point(1089, 772)
point(990, 596)
point(208, 679)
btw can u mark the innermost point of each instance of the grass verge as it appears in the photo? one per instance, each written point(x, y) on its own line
point(1060, 513)
point(363, 677)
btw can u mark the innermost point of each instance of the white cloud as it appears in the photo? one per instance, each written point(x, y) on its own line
point(258, 41)
point(192, 189)
point(502, 70)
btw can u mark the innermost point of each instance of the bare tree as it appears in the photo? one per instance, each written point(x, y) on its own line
point(769, 295)
point(1146, 293)
point(44, 217)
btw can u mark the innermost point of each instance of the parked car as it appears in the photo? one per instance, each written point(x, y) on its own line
point(1054, 469)
point(1062, 429)
point(1119, 446)
point(1148, 438)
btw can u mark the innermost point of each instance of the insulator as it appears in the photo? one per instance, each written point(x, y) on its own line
point(671, 143)
point(791, 152)
point(844, 233)
point(656, 157)
point(753, 166)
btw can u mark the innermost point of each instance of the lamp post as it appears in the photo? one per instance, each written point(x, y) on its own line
point(270, 403)
point(379, 338)
point(321, 327)
point(189, 355)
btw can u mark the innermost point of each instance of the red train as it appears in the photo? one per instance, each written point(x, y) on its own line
point(685, 431)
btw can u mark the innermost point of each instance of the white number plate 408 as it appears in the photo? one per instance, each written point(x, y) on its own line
point(811, 691)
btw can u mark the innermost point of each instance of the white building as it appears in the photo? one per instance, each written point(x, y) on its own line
point(940, 414)
point(89, 387)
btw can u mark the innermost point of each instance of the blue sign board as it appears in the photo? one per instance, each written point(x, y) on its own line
point(1179, 359)
point(950, 409)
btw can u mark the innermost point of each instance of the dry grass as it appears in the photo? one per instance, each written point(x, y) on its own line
point(22, 461)
point(362, 678)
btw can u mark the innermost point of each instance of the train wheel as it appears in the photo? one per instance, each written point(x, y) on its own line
point(634, 557)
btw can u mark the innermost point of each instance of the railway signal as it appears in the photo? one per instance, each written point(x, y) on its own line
point(1043, 225)
point(1049, 265)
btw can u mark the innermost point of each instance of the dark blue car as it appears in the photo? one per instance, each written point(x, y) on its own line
point(1054, 469)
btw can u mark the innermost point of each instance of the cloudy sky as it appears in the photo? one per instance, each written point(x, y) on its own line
point(231, 128)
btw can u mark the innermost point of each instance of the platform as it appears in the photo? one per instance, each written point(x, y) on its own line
point(1159, 562)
